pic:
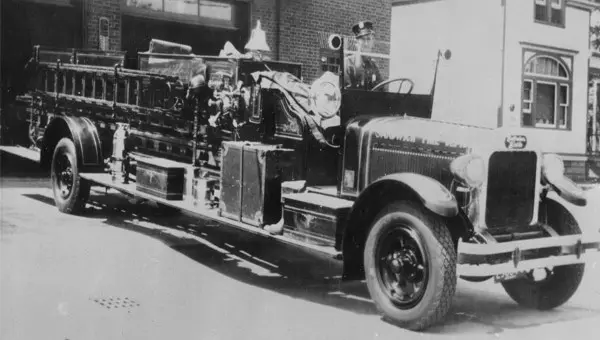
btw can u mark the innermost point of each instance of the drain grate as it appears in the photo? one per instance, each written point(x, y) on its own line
point(116, 303)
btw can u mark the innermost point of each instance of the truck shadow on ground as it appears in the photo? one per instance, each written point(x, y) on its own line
point(292, 271)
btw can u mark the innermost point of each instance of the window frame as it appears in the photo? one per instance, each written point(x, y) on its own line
point(567, 105)
point(549, 5)
point(530, 99)
point(62, 3)
point(185, 18)
point(558, 82)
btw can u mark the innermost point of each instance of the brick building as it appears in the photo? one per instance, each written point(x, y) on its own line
point(296, 29)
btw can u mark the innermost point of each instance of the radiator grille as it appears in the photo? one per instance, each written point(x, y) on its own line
point(511, 187)
point(388, 161)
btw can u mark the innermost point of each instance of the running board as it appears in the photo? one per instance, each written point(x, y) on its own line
point(211, 214)
point(23, 152)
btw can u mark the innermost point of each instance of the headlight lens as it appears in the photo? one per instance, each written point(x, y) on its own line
point(470, 169)
point(553, 166)
point(325, 95)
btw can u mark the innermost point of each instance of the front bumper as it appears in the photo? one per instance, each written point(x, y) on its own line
point(483, 260)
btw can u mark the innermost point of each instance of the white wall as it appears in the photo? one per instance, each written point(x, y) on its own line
point(468, 85)
point(522, 28)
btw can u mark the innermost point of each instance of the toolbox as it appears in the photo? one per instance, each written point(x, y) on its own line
point(160, 177)
point(251, 181)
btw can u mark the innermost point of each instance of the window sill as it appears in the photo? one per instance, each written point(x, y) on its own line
point(547, 128)
point(547, 23)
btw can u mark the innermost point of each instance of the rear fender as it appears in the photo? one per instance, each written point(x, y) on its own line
point(84, 135)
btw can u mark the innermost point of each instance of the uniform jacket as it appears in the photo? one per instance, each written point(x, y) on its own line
point(365, 77)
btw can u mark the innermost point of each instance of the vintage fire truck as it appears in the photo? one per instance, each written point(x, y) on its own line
point(408, 204)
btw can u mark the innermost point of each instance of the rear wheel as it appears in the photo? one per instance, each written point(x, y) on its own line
point(553, 286)
point(71, 192)
point(410, 265)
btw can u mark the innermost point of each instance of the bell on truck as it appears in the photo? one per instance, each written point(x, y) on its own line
point(258, 42)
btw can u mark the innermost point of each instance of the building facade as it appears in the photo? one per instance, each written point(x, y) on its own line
point(524, 68)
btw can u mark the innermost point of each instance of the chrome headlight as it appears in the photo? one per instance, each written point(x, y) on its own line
point(470, 169)
point(325, 95)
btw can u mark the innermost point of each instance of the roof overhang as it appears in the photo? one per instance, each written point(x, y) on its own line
point(587, 5)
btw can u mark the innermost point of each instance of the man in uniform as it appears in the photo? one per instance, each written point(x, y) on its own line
point(360, 71)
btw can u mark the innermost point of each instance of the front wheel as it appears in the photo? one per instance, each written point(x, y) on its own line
point(70, 190)
point(410, 265)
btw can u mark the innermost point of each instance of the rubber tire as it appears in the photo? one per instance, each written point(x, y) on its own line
point(75, 202)
point(441, 253)
point(559, 287)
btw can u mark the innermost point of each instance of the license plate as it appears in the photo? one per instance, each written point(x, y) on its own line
point(507, 277)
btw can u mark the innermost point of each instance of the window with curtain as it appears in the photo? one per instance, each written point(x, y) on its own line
point(546, 93)
point(550, 12)
point(201, 8)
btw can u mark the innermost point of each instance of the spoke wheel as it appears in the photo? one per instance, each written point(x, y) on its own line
point(410, 265)
point(70, 190)
point(64, 175)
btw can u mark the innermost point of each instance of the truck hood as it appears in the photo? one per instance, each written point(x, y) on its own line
point(432, 134)
point(378, 146)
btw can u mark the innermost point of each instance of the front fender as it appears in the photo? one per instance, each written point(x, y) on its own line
point(401, 186)
point(568, 190)
point(432, 194)
point(84, 135)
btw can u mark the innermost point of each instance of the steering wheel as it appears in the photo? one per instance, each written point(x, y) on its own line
point(401, 80)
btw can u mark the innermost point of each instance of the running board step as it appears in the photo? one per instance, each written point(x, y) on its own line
point(23, 152)
point(203, 212)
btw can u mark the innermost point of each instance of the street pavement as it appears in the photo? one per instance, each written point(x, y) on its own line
point(121, 271)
